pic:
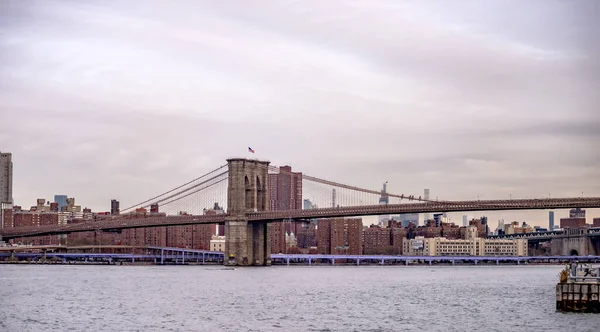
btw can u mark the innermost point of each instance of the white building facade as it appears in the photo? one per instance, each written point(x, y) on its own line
point(475, 246)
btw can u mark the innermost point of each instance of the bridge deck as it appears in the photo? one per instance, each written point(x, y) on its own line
point(116, 223)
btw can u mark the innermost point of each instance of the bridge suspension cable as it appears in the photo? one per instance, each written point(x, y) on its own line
point(344, 186)
point(152, 200)
point(188, 189)
point(196, 191)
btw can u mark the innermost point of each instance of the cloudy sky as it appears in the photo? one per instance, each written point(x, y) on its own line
point(123, 99)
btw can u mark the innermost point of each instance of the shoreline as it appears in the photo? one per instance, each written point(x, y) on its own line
point(142, 263)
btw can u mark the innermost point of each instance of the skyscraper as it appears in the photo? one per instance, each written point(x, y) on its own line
point(285, 193)
point(61, 200)
point(114, 207)
point(384, 199)
point(407, 218)
point(307, 205)
point(551, 220)
point(465, 221)
point(426, 197)
point(6, 177)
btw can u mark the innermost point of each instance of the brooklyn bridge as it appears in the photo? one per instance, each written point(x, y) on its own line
point(244, 183)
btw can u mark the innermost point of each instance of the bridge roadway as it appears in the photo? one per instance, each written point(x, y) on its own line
point(116, 223)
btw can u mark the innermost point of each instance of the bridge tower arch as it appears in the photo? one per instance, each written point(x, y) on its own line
point(247, 243)
point(572, 242)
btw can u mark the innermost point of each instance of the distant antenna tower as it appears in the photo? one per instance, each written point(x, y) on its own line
point(333, 198)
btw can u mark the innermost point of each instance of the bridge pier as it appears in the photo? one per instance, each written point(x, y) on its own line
point(247, 243)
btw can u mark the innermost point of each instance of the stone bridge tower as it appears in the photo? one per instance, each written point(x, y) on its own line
point(247, 243)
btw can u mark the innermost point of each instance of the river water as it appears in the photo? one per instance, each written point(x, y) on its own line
point(279, 298)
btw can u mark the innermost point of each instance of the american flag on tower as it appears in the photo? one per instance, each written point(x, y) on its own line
point(250, 150)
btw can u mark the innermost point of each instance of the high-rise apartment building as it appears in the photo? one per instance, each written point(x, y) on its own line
point(285, 190)
point(551, 220)
point(6, 177)
point(340, 236)
point(285, 193)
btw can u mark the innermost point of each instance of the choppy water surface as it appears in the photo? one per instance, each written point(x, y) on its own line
point(192, 298)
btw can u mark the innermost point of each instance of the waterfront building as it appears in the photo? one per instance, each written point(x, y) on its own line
point(376, 240)
point(474, 246)
point(217, 243)
point(341, 236)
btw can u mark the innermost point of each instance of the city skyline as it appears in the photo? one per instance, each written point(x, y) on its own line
point(508, 110)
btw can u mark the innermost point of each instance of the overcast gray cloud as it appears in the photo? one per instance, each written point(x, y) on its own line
point(107, 99)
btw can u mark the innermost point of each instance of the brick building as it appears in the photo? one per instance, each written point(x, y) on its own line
point(307, 235)
point(450, 231)
point(7, 218)
point(575, 222)
point(277, 235)
point(596, 222)
point(398, 238)
point(285, 190)
point(482, 227)
point(285, 193)
point(377, 240)
point(340, 236)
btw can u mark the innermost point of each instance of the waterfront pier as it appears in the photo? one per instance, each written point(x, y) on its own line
point(579, 289)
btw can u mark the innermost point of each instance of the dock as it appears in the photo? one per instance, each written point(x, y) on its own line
point(579, 289)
